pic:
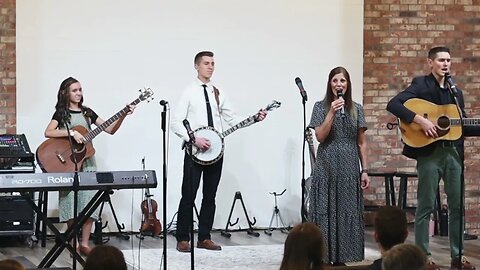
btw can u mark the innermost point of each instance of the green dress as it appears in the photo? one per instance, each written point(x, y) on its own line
point(66, 198)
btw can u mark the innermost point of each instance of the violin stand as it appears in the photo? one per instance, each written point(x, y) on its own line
point(277, 216)
point(250, 231)
point(98, 239)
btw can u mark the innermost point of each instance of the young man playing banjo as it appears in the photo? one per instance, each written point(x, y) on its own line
point(203, 105)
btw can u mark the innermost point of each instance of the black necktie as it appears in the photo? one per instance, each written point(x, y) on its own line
point(209, 109)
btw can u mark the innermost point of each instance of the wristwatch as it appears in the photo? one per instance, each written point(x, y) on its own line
point(72, 133)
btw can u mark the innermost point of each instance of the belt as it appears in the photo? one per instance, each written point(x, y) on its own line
point(446, 144)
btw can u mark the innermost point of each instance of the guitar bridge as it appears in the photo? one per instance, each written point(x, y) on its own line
point(60, 157)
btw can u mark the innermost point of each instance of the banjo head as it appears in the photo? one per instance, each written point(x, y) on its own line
point(217, 146)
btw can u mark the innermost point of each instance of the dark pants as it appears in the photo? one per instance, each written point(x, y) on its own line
point(211, 179)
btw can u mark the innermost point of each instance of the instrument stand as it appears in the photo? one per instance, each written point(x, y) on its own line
point(98, 238)
point(250, 231)
point(277, 216)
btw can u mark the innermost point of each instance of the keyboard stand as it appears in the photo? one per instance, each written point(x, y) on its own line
point(62, 241)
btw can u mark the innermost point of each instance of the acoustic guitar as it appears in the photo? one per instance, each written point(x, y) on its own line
point(55, 154)
point(445, 117)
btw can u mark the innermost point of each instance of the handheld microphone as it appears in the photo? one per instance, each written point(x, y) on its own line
point(340, 95)
point(163, 102)
point(451, 84)
point(186, 124)
point(302, 90)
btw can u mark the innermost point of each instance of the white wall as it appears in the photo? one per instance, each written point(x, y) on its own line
point(117, 47)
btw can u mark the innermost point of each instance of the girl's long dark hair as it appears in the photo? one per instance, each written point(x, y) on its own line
point(329, 96)
point(63, 98)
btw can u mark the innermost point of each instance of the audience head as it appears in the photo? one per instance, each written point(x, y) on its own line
point(304, 248)
point(105, 257)
point(390, 226)
point(10, 264)
point(404, 256)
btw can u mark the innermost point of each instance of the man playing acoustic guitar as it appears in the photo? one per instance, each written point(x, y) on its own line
point(442, 157)
point(202, 104)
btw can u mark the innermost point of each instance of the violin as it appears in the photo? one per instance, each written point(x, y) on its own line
point(149, 209)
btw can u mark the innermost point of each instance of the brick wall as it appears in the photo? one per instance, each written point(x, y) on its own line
point(397, 37)
point(7, 67)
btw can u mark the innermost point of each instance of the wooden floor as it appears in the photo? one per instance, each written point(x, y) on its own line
point(13, 248)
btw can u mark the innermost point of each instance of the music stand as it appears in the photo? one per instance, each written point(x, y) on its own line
point(276, 215)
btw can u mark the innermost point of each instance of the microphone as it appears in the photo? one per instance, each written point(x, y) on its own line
point(450, 82)
point(163, 102)
point(186, 124)
point(302, 90)
point(340, 95)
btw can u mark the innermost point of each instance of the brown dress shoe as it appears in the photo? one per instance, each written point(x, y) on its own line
point(208, 244)
point(183, 246)
point(461, 263)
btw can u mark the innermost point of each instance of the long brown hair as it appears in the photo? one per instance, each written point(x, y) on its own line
point(329, 96)
point(11, 264)
point(105, 257)
point(63, 99)
point(304, 248)
point(63, 95)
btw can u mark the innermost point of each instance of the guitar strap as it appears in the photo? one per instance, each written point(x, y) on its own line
point(217, 99)
point(217, 93)
point(87, 118)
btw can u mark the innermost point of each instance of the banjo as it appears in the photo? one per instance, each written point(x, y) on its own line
point(217, 145)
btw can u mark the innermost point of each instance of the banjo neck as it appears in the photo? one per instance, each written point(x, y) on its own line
point(250, 120)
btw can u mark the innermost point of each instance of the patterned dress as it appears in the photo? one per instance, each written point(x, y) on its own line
point(336, 200)
point(65, 203)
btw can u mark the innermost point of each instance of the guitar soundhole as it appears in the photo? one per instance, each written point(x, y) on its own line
point(79, 147)
point(443, 122)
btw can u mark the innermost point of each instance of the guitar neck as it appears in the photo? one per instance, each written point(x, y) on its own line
point(311, 150)
point(242, 124)
point(93, 133)
point(466, 121)
point(311, 147)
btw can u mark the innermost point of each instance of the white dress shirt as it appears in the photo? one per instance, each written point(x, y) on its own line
point(192, 106)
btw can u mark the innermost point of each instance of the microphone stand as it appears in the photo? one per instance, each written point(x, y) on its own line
point(164, 114)
point(303, 210)
point(75, 188)
point(462, 177)
point(189, 149)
